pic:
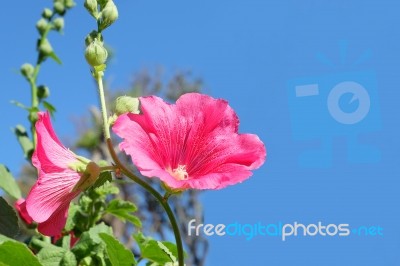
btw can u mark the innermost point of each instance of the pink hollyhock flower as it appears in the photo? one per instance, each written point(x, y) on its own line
point(20, 205)
point(191, 144)
point(49, 199)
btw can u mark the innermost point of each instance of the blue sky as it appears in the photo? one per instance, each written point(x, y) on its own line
point(254, 54)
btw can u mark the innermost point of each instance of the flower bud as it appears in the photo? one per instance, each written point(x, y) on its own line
point(47, 13)
point(69, 3)
point(41, 25)
point(43, 92)
point(108, 15)
point(59, 8)
point(58, 24)
point(126, 104)
point(27, 70)
point(91, 6)
point(45, 48)
point(95, 53)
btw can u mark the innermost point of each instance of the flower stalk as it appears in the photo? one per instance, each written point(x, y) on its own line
point(162, 200)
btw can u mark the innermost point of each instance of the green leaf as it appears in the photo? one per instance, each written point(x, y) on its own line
point(24, 141)
point(118, 254)
point(159, 252)
point(13, 253)
point(122, 209)
point(49, 107)
point(90, 242)
point(21, 105)
point(103, 178)
point(8, 219)
point(55, 58)
point(55, 256)
point(70, 224)
point(8, 184)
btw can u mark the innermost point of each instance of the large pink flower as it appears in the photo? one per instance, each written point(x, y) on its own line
point(192, 144)
point(49, 199)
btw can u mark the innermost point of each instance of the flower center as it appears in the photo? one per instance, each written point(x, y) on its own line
point(180, 172)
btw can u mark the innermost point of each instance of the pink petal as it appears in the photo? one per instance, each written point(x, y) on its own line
point(20, 205)
point(51, 192)
point(56, 223)
point(50, 155)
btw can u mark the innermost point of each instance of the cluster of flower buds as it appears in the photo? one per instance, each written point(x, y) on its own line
point(51, 20)
point(106, 13)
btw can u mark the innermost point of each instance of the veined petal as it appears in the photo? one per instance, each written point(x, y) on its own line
point(51, 192)
point(56, 222)
point(50, 155)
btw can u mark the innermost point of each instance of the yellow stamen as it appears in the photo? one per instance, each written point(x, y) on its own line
point(180, 173)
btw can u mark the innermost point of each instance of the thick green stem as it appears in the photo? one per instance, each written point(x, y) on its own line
point(161, 200)
point(99, 78)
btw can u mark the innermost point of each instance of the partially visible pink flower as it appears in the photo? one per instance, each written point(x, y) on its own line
point(20, 205)
point(191, 144)
point(49, 199)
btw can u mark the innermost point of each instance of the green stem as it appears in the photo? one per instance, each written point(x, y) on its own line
point(32, 83)
point(99, 78)
point(161, 200)
point(108, 168)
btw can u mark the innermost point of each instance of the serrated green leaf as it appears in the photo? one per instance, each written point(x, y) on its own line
point(8, 219)
point(106, 189)
point(8, 184)
point(55, 58)
point(13, 253)
point(122, 210)
point(117, 253)
point(24, 141)
point(159, 252)
point(54, 256)
point(90, 241)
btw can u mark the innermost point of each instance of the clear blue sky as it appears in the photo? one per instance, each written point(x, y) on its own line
point(254, 54)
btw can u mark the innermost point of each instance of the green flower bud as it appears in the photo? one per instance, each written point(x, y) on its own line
point(69, 3)
point(126, 104)
point(95, 53)
point(58, 24)
point(43, 92)
point(42, 25)
point(47, 13)
point(108, 15)
point(27, 70)
point(59, 8)
point(102, 3)
point(91, 6)
point(45, 48)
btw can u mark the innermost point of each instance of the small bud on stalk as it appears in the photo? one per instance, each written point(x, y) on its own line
point(27, 70)
point(108, 15)
point(95, 53)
